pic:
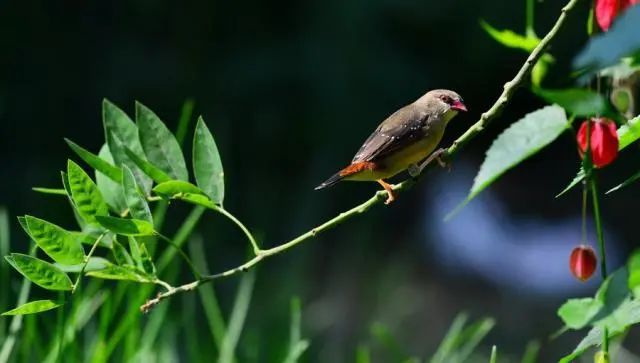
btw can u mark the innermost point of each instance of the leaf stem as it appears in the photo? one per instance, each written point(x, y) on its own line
point(601, 244)
point(252, 240)
point(504, 98)
point(86, 261)
point(186, 258)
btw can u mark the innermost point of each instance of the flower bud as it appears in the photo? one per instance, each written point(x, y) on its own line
point(604, 140)
point(607, 10)
point(582, 262)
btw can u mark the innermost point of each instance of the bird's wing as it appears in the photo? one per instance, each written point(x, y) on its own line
point(399, 130)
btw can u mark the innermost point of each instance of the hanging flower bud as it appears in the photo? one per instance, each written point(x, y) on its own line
point(604, 141)
point(608, 10)
point(582, 262)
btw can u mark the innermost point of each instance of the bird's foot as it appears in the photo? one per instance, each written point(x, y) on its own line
point(391, 196)
point(438, 157)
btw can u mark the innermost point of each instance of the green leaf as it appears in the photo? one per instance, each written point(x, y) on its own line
point(126, 227)
point(128, 273)
point(54, 191)
point(576, 101)
point(147, 262)
point(110, 190)
point(518, 142)
point(94, 264)
point(96, 162)
point(149, 169)
point(40, 272)
point(175, 187)
point(121, 132)
point(33, 307)
point(137, 203)
point(625, 183)
point(134, 247)
point(577, 313)
point(199, 199)
point(61, 245)
point(207, 165)
point(608, 47)
point(65, 183)
point(510, 39)
point(629, 133)
point(634, 273)
point(159, 144)
point(120, 254)
point(85, 194)
point(494, 355)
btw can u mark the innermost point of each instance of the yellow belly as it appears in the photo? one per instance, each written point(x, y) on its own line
point(400, 160)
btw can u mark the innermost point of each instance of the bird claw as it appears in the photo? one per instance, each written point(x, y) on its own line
point(437, 156)
point(390, 198)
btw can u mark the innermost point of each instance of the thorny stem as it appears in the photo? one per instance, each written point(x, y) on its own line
point(474, 130)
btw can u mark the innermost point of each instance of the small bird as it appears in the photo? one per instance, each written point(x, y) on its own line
point(402, 141)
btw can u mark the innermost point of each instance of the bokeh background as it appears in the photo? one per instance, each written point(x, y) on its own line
point(290, 90)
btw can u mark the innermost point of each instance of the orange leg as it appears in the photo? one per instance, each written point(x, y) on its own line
point(389, 188)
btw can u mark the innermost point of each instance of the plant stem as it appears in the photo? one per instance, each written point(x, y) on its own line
point(254, 243)
point(186, 258)
point(474, 130)
point(86, 261)
point(603, 257)
point(529, 30)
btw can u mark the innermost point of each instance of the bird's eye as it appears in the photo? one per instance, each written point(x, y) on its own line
point(446, 99)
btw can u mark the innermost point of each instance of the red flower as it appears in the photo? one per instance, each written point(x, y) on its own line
point(604, 141)
point(607, 10)
point(582, 262)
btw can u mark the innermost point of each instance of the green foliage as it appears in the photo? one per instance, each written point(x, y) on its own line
point(126, 273)
point(174, 188)
point(135, 200)
point(85, 194)
point(461, 339)
point(33, 307)
point(40, 272)
point(126, 227)
point(607, 48)
point(615, 307)
point(207, 165)
point(159, 144)
point(511, 39)
point(61, 245)
point(576, 101)
point(96, 162)
point(111, 190)
point(521, 140)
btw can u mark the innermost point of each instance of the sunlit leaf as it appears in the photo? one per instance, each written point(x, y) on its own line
point(207, 165)
point(33, 307)
point(149, 169)
point(126, 227)
point(145, 259)
point(128, 273)
point(121, 132)
point(577, 313)
point(518, 142)
point(159, 144)
point(85, 194)
point(96, 162)
point(634, 273)
point(174, 187)
point(510, 39)
point(608, 47)
point(54, 191)
point(94, 264)
point(137, 203)
point(110, 190)
point(61, 245)
point(40, 272)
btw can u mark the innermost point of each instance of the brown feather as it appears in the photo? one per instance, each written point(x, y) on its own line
point(357, 167)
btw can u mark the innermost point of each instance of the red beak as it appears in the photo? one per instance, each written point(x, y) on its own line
point(459, 106)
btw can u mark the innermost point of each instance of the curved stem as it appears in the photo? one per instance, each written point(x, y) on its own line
point(252, 240)
point(186, 258)
point(474, 130)
point(86, 261)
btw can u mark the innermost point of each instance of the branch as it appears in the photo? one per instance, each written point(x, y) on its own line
point(474, 130)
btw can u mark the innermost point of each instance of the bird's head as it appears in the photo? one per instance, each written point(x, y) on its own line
point(446, 101)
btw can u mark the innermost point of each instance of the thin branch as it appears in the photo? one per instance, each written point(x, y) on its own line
point(86, 261)
point(254, 243)
point(474, 130)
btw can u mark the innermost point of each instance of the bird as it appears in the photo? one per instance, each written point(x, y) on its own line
point(402, 141)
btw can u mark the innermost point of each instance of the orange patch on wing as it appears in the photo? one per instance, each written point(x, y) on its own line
point(357, 167)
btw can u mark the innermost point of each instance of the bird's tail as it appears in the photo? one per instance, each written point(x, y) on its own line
point(335, 178)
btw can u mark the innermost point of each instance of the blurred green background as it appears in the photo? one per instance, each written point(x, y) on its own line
point(290, 90)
